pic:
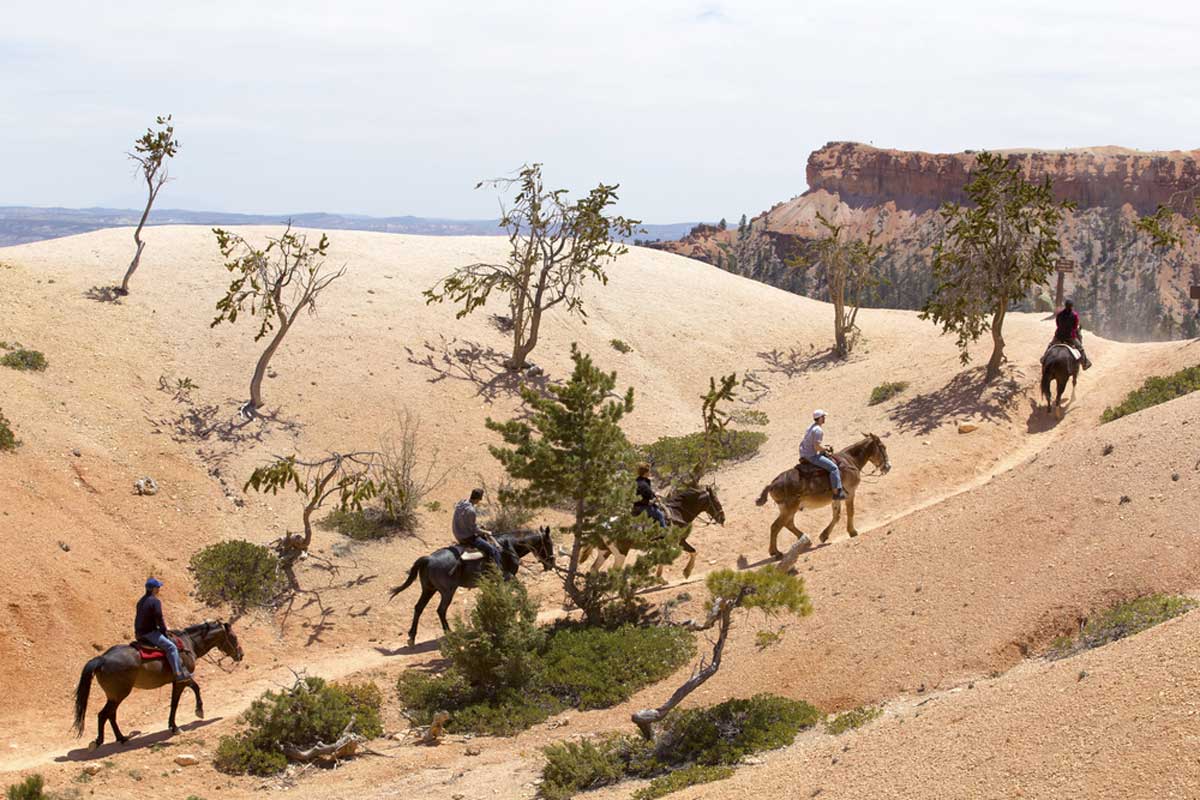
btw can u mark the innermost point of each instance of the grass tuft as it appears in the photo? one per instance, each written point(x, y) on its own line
point(1154, 391)
point(886, 391)
point(1121, 620)
point(852, 719)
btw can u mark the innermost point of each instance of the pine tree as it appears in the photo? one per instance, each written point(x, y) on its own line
point(569, 450)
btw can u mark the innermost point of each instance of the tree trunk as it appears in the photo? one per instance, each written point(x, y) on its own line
point(573, 566)
point(839, 328)
point(993, 366)
point(137, 239)
point(260, 371)
point(523, 344)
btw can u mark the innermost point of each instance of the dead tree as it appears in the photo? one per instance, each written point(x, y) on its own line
point(150, 152)
point(274, 284)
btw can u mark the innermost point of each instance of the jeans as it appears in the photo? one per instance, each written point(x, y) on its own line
point(487, 548)
point(654, 512)
point(829, 465)
point(168, 647)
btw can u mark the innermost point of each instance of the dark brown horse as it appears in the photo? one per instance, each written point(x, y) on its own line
point(1058, 365)
point(681, 507)
point(793, 490)
point(120, 669)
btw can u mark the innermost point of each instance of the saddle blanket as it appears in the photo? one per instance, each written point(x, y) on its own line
point(1075, 354)
point(149, 653)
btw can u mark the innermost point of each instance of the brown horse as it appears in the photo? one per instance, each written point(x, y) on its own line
point(681, 507)
point(120, 669)
point(793, 490)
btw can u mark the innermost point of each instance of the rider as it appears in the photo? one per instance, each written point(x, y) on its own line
point(1066, 330)
point(467, 531)
point(149, 629)
point(812, 451)
point(646, 497)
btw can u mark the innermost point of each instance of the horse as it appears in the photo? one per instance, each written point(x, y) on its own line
point(1059, 364)
point(445, 571)
point(681, 507)
point(121, 669)
point(794, 489)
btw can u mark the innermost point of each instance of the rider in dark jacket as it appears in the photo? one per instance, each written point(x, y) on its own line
point(645, 503)
point(150, 629)
point(1066, 330)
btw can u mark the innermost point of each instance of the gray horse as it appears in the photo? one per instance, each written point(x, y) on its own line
point(1060, 365)
point(444, 571)
point(121, 669)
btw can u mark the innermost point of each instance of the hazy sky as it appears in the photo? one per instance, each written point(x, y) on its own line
point(698, 109)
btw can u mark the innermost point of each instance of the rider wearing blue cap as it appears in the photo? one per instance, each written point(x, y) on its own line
point(814, 452)
point(150, 629)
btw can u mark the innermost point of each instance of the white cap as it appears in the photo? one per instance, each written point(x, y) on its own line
point(818, 414)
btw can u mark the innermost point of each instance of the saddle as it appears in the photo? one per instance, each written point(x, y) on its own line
point(149, 653)
point(1075, 354)
point(810, 470)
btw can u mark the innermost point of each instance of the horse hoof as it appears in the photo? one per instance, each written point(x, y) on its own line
point(92, 745)
point(123, 740)
point(853, 534)
point(775, 554)
point(199, 713)
point(412, 641)
point(175, 730)
point(824, 538)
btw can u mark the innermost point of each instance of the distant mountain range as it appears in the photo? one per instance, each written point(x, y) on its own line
point(20, 224)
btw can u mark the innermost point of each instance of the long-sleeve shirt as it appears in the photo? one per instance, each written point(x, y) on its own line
point(1066, 325)
point(465, 525)
point(645, 494)
point(149, 617)
point(810, 445)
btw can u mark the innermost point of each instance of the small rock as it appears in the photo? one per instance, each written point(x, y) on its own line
point(146, 486)
point(186, 760)
point(967, 427)
point(1124, 499)
point(472, 751)
point(1108, 448)
point(66, 548)
point(1082, 674)
point(754, 761)
point(91, 769)
point(1174, 476)
point(76, 452)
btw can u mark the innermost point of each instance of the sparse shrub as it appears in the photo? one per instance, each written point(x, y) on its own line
point(361, 525)
point(240, 573)
point(750, 416)
point(577, 667)
point(503, 510)
point(886, 391)
point(433, 506)
point(496, 649)
point(32, 788)
point(621, 346)
point(728, 732)
point(405, 476)
point(849, 720)
point(1154, 391)
point(8, 439)
point(25, 360)
point(573, 767)
point(311, 711)
point(675, 456)
point(1123, 619)
point(681, 779)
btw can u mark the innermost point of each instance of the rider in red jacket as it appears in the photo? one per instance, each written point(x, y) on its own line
point(1066, 330)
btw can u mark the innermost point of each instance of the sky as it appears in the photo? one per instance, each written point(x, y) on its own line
point(699, 110)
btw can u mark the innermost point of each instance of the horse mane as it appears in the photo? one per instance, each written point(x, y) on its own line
point(199, 627)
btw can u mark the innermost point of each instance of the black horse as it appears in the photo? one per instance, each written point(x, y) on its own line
point(681, 508)
point(445, 571)
point(121, 669)
point(1060, 365)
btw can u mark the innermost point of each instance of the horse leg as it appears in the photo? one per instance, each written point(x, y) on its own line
point(176, 692)
point(850, 529)
point(427, 593)
point(691, 551)
point(447, 598)
point(112, 720)
point(601, 556)
point(619, 559)
point(199, 703)
point(837, 514)
point(775, 528)
point(101, 718)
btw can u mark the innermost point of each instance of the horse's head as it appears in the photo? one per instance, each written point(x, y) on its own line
point(544, 549)
point(714, 508)
point(878, 455)
point(228, 642)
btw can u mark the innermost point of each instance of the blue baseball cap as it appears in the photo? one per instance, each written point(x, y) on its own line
point(153, 583)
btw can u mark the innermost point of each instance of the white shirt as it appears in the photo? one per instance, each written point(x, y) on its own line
point(810, 446)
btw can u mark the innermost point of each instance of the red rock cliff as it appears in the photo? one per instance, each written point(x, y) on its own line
point(1107, 177)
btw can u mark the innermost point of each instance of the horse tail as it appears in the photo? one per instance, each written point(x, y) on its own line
point(83, 690)
point(417, 566)
point(762, 498)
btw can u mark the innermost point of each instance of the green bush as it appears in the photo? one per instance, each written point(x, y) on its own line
point(674, 456)
point(750, 416)
point(25, 360)
point(242, 574)
point(886, 391)
point(364, 525)
point(595, 668)
point(1123, 619)
point(8, 439)
point(849, 720)
point(576, 667)
point(497, 647)
point(573, 767)
point(1154, 391)
point(29, 789)
point(681, 779)
point(728, 732)
point(312, 711)
point(620, 346)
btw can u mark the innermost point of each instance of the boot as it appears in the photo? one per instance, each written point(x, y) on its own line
point(839, 494)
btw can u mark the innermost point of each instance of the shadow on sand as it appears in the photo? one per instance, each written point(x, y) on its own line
point(136, 742)
point(965, 395)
